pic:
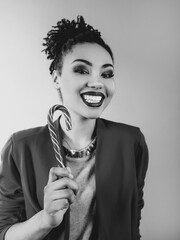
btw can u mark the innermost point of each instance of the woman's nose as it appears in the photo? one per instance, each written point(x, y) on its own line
point(95, 84)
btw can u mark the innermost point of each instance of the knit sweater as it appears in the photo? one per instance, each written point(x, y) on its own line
point(83, 209)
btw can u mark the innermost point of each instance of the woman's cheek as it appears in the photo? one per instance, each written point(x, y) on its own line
point(111, 88)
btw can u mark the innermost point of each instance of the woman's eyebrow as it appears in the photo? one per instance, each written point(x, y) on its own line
point(84, 61)
point(107, 65)
point(90, 64)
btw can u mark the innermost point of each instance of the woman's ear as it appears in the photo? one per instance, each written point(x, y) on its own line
point(56, 79)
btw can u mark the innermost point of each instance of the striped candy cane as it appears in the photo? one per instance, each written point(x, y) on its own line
point(52, 130)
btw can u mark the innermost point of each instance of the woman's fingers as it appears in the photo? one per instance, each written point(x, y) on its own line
point(63, 194)
point(58, 172)
point(62, 183)
point(60, 186)
point(59, 193)
point(57, 205)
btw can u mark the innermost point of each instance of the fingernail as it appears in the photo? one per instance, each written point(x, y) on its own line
point(69, 170)
point(71, 176)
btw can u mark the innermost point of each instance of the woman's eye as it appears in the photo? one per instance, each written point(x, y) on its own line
point(108, 74)
point(81, 70)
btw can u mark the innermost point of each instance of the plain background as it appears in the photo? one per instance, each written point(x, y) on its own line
point(144, 36)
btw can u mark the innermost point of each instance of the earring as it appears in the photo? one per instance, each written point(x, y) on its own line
point(60, 94)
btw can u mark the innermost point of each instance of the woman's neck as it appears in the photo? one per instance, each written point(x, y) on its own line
point(81, 133)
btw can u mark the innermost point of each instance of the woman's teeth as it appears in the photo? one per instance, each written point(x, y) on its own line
point(92, 99)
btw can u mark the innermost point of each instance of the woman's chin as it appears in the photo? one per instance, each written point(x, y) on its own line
point(96, 113)
point(88, 112)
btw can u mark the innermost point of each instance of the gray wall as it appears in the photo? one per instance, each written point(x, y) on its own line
point(144, 36)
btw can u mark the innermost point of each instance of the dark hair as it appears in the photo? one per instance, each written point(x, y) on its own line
point(61, 39)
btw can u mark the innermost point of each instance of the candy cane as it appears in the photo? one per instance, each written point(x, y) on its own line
point(52, 130)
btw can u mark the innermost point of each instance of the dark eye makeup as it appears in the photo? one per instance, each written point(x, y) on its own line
point(108, 74)
point(81, 69)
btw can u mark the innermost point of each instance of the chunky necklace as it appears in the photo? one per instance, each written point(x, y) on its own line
point(82, 152)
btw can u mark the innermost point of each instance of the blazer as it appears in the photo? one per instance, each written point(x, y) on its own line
point(120, 168)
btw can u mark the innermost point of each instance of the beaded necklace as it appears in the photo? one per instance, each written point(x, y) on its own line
point(82, 152)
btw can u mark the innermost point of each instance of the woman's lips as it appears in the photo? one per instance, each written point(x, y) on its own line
point(93, 99)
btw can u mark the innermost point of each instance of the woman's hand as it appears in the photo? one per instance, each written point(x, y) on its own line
point(59, 193)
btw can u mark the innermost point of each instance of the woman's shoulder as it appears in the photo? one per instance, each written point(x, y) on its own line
point(30, 134)
point(119, 131)
point(118, 126)
point(25, 139)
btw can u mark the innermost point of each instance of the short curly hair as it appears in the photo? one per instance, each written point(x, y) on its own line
point(66, 34)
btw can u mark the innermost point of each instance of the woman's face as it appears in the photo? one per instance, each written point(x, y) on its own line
point(86, 81)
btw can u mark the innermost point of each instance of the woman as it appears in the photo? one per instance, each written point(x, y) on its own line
point(99, 194)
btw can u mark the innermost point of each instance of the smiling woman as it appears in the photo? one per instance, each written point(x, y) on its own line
point(86, 81)
point(94, 98)
point(99, 193)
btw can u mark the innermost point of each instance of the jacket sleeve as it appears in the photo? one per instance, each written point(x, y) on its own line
point(11, 195)
point(141, 169)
